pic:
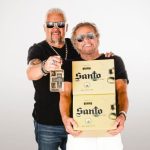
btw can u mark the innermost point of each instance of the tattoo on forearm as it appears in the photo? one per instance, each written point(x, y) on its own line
point(35, 62)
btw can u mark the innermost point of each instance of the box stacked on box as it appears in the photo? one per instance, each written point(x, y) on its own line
point(94, 99)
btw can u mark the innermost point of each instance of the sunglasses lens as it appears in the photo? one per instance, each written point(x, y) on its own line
point(80, 38)
point(50, 24)
point(60, 24)
point(55, 24)
point(90, 36)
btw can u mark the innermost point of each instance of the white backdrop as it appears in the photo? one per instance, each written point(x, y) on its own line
point(125, 30)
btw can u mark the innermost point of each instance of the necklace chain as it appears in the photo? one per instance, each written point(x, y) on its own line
point(66, 50)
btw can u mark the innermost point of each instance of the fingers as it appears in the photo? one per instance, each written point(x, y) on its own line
point(71, 131)
point(109, 54)
point(115, 131)
point(55, 60)
point(118, 126)
point(70, 127)
point(53, 63)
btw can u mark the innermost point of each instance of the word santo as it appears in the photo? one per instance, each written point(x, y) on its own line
point(93, 76)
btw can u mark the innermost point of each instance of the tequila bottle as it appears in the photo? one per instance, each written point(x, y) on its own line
point(57, 80)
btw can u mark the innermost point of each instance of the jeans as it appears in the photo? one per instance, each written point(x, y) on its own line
point(50, 137)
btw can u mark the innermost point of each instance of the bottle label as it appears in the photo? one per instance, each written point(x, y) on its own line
point(57, 80)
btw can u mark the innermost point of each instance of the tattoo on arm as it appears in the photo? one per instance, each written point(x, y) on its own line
point(35, 62)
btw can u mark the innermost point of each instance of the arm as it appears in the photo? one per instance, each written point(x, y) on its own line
point(121, 87)
point(37, 69)
point(65, 106)
point(34, 71)
point(65, 101)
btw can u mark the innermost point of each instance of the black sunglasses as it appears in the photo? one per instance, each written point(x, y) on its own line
point(89, 35)
point(55, 24)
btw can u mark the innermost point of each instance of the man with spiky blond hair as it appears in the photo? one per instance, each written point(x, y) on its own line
point(42, 58)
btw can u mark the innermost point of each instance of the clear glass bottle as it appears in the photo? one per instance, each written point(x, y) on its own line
point(57, 80)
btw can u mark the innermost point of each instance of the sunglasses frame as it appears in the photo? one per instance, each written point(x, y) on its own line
point(55, 24)
point(80, 38)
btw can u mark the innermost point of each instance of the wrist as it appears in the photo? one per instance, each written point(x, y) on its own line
point(44, 71)
point(123, 113)
point(64, 119)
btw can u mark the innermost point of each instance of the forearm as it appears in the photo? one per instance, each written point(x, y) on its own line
point(69, 123)
point(65, 104)
point(34, 72)
point(35, 69)
point(121, 86)
point(123, 101)
point(65, 101)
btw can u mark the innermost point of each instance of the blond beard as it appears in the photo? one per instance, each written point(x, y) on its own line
point(56, 43)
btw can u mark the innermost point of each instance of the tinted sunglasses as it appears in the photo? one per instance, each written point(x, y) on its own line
point(89, 35)
point(55, 24)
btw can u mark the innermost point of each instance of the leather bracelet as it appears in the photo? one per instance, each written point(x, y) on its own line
point(123, 113)
point(44, 71)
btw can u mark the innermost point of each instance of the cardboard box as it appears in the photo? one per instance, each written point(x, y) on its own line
point(94, 99)
point(94, 112)
point(93, 77)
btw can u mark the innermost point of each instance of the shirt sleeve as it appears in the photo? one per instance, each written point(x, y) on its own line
point(34, 52)
point(120, 70)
